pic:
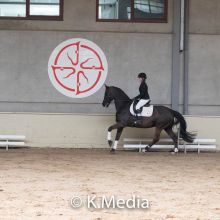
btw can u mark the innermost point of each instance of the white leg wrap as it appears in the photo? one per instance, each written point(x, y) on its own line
point(109, 136)
point(115, 145)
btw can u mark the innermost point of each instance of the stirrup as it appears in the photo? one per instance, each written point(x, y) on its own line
point(139, 111)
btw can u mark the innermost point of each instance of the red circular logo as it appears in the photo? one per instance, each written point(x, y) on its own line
point(77, 68)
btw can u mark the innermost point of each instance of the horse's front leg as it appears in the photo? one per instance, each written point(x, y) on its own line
point(109, 137)
point(117, 137)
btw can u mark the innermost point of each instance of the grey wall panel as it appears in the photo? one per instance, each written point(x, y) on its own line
point(204, 70)
point(204, 51)
point(205, 16)
point(206, 110)
point(87, 108)
point(24, 56)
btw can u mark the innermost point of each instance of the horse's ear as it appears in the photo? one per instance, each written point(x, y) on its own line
point(106, 86)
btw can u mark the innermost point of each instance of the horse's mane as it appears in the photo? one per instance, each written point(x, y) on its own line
point(121, 93)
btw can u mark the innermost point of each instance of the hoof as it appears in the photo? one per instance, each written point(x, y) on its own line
point(143, 150)
point(174, 151)
point(147, 148)
point(112, 151)
point(110, 143)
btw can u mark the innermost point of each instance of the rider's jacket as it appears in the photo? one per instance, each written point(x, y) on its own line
point(143, 89)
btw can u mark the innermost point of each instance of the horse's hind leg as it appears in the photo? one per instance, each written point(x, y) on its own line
point(155, 139)
point(174, 138)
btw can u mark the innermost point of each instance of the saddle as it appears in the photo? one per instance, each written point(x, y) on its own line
point(145, 111)
point(141, 109)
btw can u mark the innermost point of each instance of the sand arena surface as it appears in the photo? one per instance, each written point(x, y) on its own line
point(39, 183)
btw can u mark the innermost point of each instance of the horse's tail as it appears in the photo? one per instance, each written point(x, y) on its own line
point(187, 136)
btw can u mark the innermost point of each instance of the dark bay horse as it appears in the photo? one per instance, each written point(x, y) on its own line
point(163, 118)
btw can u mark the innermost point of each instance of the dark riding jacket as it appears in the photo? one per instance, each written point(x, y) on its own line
point(143, 89)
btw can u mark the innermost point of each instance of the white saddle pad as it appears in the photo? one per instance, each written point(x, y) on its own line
point(147, 111)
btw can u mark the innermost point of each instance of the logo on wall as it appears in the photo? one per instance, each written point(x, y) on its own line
point(77, 68)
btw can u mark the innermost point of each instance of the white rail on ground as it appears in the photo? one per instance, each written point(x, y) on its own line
point(167, 143)
point(12, 141)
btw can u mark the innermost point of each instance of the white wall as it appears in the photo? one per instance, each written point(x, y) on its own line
point(84, 131)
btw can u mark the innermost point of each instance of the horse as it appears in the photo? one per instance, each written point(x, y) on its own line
point(162, 118)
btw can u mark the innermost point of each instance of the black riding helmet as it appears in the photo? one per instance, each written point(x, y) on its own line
point(142, 75)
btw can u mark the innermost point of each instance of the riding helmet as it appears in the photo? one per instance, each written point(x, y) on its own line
point(142, 75)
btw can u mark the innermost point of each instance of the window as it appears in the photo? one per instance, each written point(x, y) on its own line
point(132, 10)
point(31, 9)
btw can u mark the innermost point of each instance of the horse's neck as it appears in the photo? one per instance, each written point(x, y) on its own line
point(121, 99)
point(121, 103)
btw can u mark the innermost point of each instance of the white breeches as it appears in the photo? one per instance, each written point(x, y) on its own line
point(141, 103)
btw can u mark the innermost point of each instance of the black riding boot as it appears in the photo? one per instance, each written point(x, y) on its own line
point(137, 118)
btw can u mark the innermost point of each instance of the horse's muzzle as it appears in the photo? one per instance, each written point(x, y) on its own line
point(105, 104)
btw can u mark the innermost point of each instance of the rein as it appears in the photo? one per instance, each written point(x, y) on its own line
point(121, 100)
point(124, 100)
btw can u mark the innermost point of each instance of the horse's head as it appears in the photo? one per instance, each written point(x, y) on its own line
point(116, 94)
point(108, 97)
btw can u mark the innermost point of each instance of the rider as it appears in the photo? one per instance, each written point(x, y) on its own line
point(143, 98)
